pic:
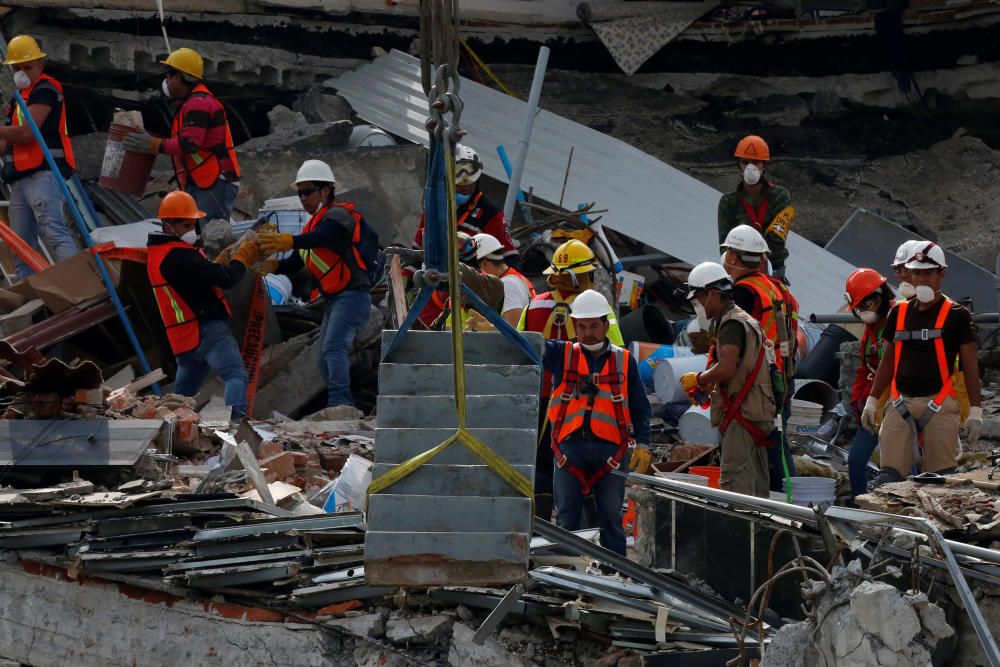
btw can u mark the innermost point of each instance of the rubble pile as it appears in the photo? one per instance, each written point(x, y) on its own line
point(855, 621)
point(958, 509)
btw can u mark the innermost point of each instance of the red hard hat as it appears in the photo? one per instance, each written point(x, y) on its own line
point(753, 147)
point(860, 284)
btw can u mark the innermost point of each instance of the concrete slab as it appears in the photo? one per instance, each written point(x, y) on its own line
point(453, 559)
point(395, 445)
point(438, 379)
point(439, 411)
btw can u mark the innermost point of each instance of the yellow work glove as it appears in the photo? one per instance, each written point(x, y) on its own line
point(690, 382)
point(247, 253)
point(272, 243)
point(266, 266)
point(641, 459)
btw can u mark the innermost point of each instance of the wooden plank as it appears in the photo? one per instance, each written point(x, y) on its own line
point(505, 411)
point(438, 379)
point(450, 480)
point(413, 560)
point(82, 442)
point(434, 347)
point(396, 289)
point(449, 514)
point(395, 445)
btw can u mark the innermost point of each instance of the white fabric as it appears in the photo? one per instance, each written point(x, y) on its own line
point(515, 293)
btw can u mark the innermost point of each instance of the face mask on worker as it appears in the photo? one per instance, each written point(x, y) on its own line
point(163, 87)
point(907, 290)
point(751, 174)
point(190, 237)
point(593, 347)
point(924, 293)
point(461, 199)
point(699, 311)
point(868, 317)
point(22, 80)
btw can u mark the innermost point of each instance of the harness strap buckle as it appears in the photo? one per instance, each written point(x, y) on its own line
point(934, 407)
point(612, 464)
point(924, 334)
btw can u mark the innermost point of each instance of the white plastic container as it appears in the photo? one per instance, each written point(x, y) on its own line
point(695, 426)
point(352, 485)
point(668, 372)
point(816, 491)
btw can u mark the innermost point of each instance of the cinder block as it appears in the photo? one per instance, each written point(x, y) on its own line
point(498, 411)
point(438, 379)
point(396, 445)
point(449, 514)
point(446, 480)
point(434, 347)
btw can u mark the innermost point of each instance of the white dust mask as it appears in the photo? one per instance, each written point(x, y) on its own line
point(868, 317)
point(925, 293)
point(907, 290)
point(21, 80)
point(190, 237)
point(751, 174)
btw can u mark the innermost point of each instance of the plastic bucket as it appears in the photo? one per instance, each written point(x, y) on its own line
point(124, 170)
point(695, 426)
point(815, 391)
point(816, 491)
point(713, 473)
point(648, 355)
point(667, 375)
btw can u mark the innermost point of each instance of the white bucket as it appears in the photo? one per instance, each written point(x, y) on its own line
point(816, 491)
point(668, 372)
point(353, 483)
point(695, 426)
point(815, 391)
point(648, 355)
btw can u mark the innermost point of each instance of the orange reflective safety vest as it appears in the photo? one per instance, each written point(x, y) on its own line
point(527, 283)
point(178, 318)
point(203, 166)
point(902, 335)
point(28, 155)
point(775, 318)
point(603, 397)
point(331, 271)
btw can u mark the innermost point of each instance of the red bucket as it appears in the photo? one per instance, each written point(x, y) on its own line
point(124, 170)
point(714, 473)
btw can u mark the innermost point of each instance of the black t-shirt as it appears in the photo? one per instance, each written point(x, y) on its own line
point(732, 333)
point(45, 94)
point(918, 373)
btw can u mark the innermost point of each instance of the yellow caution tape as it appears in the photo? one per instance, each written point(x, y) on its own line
point(483, 66)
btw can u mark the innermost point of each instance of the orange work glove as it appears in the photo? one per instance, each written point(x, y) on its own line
point(271, 243)
point(247, 253)
point(266, 266)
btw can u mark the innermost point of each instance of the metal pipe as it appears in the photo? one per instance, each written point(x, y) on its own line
point(505, 161)
point(85, 233)
point(529, 124)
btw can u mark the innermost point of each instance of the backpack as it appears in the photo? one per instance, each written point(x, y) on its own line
point(371, 253)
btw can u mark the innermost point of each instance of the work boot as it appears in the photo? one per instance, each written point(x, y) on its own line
point(946, 471)
point(885, 476)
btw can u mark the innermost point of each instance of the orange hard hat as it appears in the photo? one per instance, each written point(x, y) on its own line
point(752, 147)
point(860, 284)
point(179, 204)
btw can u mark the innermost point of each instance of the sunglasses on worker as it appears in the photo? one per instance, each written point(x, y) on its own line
point(305, 192)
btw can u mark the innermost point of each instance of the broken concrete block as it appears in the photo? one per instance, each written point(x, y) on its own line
point(881, 610)
point(331, 460)
point(299, 459)
point(423, 629)
point(268, 449)
point(335, 413)
point(320, 107)
point(375, 656)
point(280, 465)
point(465, 653)
point(368, 625)
point(934, 621)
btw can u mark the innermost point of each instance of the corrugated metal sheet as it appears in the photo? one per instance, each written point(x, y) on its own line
point(646, 199)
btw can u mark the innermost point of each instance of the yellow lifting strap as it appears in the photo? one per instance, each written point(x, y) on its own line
point(496, 463)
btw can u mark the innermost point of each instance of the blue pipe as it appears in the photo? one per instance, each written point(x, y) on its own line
point(85, 233)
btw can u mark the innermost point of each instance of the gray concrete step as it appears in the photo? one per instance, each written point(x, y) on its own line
point(448, 480)
point(434, 347)
point(449, 514)
point(396, 445)
point(438, 379)
point(497, 411)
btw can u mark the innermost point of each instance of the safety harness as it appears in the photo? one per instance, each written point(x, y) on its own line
point(757, 215)
point(731, 407)
point(571, 382)
point(902, 335)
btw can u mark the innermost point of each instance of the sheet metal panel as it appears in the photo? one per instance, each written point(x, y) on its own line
point(646, 199)
point(82, 442)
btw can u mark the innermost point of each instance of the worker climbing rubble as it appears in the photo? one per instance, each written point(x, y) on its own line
point(930, 336)
point(770, 302)
point(188, 290)
point(335, 247)
point(598, 411)
point(475, 213)
point(518, 290)
point(200, 142)
point(758, 202)
point(37, 202)
point(869, 297)
point(737, 382)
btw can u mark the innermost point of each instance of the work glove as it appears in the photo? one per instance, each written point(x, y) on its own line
point(142, 142)
point(641, 459)
point(868, 414)
point(974, 424)
point(690, 382)
point(266, 266)
point(247, 253)
point(271, 243)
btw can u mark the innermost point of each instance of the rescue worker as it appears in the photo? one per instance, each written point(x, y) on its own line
point(36, 198)
point(328, 248)
point(758, 202)
point(928, 333)
point(593, 428)
point(768, 301)
point(742, 403)
point(518, 290)
point(570, 274)
point(200, 143)
point(869, 297)
point(487, 287)
point(475, 213)
point(188, 290)
point(903, 255)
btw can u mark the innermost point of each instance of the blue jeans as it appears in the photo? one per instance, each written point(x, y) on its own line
point(857, 460)
point(37, 209)
point(217, 201)
point(609, 492)
point(343, 318)
point(219, 352)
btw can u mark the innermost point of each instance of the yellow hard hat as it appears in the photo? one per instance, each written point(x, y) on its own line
point(187, 61)
point(573, 256)
point(23, 49)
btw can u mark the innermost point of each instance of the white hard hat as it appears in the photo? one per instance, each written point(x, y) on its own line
point(708, 275)
point(488, 247)
point(746, 239)
point(314, 170)
point(904, 252)
point(927, 255)
point(468, 166)
point(589, 303)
